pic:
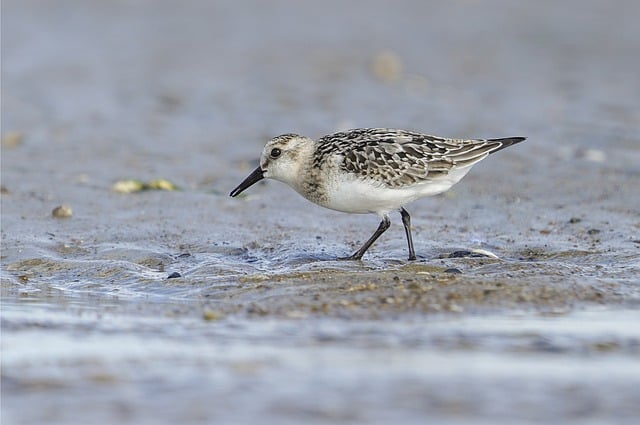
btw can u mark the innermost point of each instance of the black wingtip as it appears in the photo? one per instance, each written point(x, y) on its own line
point(506, 142)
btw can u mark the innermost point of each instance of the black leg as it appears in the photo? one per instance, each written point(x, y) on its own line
point(406, 220)
point(384, 225)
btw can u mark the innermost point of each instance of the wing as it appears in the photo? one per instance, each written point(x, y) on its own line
point(401, 158)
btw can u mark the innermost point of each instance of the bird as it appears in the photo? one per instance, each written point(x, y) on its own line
point(371, 170)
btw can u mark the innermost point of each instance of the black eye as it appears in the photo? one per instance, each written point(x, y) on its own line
point(275, 152)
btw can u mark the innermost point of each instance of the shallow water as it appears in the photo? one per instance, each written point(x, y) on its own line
point(263, 324)
point(114, 364)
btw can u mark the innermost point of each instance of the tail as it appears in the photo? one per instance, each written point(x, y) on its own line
point(505, 142)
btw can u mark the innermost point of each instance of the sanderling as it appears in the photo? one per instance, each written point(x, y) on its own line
point(371, 170)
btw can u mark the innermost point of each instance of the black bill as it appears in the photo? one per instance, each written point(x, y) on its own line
point(254, 177)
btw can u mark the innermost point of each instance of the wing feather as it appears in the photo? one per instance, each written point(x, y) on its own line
point(398, 158)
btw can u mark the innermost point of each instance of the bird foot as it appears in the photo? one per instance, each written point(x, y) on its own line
point(353, 257)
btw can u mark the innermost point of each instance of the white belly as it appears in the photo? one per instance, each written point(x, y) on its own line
point(355, 195)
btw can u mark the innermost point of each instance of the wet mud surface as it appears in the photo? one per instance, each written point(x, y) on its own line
point(135, 290)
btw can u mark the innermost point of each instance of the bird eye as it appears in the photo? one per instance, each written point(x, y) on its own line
point(275, 152)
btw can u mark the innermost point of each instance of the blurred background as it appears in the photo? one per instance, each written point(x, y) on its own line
point(101, 92)
point(220, 77)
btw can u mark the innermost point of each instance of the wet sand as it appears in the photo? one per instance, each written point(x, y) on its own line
point(261, 324)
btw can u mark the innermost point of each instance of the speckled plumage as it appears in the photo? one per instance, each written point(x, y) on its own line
point(399, 158)
point(371, 170)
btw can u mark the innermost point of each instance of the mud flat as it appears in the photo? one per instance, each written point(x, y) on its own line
point(135, 290)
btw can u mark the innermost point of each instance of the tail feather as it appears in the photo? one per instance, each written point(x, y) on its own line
point(477, 150)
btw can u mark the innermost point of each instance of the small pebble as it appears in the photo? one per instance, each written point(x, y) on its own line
point(128, 186)
point(592, 155)
point(453, 270)
point(574, 220)
point(161, 184)
point(210, 315)
point(12, 139)
point(593, 231)
point(174, 275)
point(455, 308)
point(62, 211)
point(387, 66)
point(133, 185)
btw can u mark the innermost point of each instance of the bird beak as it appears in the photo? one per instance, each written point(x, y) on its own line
point(254, 177)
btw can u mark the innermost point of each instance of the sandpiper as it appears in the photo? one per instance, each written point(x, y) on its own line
point(371, 170)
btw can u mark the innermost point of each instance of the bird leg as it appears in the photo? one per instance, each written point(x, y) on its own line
point(384, 225)
point(406, 221)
